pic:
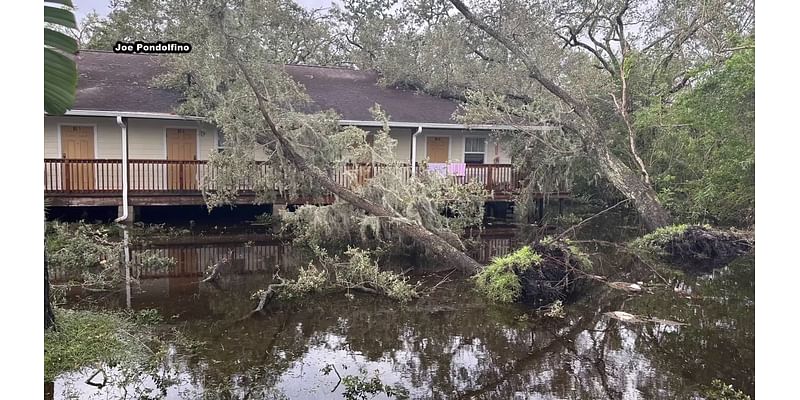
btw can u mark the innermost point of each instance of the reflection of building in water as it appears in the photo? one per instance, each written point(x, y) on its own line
point(492, 247)
point(195, 260)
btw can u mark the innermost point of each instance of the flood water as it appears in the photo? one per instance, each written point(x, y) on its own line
point(450, 344)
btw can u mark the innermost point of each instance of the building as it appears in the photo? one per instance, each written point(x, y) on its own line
point(121, 117)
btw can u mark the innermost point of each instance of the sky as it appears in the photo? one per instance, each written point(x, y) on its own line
point(83, 7)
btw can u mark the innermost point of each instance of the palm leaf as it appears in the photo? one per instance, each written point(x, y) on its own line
point(60, 72)
point(60, 81)
point(60, 41)
point(59, 16)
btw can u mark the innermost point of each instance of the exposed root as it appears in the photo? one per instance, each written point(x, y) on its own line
point(695, 247)
point(537, 274)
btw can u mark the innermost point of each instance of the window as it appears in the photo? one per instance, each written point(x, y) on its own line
point(221, 141)
point(474, 150)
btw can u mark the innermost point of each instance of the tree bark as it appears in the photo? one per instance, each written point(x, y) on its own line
point(49, 316)
point(623, 178)
point(630, 184)
point(437, 247)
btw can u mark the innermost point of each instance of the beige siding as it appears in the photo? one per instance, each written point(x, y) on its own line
point(457, 145)
point(403, 136)
point(108, 136)
point(147, 138)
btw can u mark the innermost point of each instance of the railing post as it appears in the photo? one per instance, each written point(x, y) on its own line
point(66, 174)
point(489, 183)
point(181, 175)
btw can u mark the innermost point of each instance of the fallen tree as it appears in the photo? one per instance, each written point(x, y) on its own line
point(258, 109)
point(571, 77)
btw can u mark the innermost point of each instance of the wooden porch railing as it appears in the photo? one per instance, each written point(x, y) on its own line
point(158, 176)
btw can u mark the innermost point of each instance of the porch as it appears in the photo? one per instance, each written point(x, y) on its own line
point(98, 182)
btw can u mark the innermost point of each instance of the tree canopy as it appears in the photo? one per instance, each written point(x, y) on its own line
point(597, 71)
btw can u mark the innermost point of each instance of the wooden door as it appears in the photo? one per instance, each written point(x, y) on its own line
point(438, 149)
point(182, 146)
point(77, 143)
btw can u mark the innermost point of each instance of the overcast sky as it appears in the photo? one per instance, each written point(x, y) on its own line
point(101, 6)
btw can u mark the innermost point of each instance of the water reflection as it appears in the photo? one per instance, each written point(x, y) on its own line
point(447, 345)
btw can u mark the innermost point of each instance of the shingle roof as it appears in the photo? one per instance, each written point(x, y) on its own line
point(123, 82)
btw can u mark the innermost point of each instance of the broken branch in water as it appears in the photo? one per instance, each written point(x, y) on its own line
point(265, 296)
point(215, 269)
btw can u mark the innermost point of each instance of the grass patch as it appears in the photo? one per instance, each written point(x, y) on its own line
point(95, 338)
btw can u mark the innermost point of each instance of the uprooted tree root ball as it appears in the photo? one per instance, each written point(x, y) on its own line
point(536, 274)
point(695, 247)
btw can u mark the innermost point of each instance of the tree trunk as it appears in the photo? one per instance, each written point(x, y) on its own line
point(436, 246)
point(49, 316)
point(623, 178)
point(631, 185)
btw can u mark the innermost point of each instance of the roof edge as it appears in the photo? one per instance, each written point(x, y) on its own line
point(439, 125)
point(129, 114)
point(343, 122)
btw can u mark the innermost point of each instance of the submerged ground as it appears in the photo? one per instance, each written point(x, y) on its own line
point(448, 344)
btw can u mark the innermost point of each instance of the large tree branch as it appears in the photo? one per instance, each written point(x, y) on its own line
point(579, 107)
point(573, 41)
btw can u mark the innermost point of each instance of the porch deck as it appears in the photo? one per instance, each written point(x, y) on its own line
point(98, 182)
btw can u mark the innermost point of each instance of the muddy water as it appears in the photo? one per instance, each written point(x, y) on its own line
point(449, 344)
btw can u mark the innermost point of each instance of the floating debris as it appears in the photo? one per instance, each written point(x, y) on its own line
point(626, 286)
point(628, 317)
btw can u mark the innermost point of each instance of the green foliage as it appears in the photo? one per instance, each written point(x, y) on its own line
point(153, 261)
point(90, 254)
point(362, 387)
point(79, 247)
point(521, 259)
point(718, 390)
point(499, 282)
point(96, 339)
point(362, 271)
point(358, 272)
point(702, 145)
point(60, 73)
point(309, 280)
point(585, 263)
